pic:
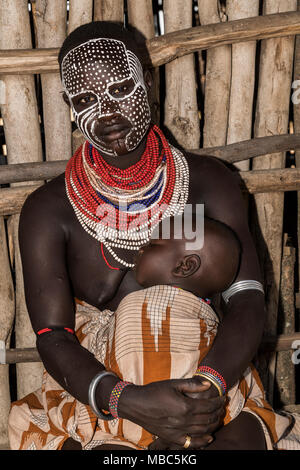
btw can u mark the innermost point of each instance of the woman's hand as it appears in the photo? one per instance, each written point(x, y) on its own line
point(164, 409)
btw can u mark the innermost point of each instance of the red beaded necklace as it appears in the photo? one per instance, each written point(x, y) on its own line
point(158, 181)
point(86, 198)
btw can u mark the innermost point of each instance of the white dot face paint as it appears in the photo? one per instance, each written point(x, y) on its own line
point(104, 83)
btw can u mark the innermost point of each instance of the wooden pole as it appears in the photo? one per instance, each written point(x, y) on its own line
point(242, 78)
point(277, 343)
point(19, 107)
point(23, 141)
point(140, 15)
point(50, 19)
point(12, 200)
point(253, 182)
point(7, 313)
point(229, 153)
point(217, 80)
point(296, 120)
point(109, 10)
point(181, 108)
point(272, 117)
point(80, 12)
point(285, 370)
point(165, 48)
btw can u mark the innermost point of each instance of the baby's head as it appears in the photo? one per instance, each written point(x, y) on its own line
point(205, 271)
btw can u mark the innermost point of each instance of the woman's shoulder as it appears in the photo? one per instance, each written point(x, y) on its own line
point(48, 202)
point(208, 164)
point(210, 169)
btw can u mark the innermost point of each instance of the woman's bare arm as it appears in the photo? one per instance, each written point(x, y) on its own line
point(240, 331)
point(49, 296)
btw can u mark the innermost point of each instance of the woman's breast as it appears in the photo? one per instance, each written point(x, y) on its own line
point(95, 283)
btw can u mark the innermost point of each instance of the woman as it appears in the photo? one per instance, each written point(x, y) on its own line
point(78, 241)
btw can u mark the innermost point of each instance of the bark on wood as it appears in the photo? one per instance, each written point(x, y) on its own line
point(272, 115)
point(140, 16)
point(12, 199)
point(50, 20)
point(217, 81)
point(28, 61)
point(242, 78)
point(165, 48)
point(270, 181)
point(109, 10)
point(80, 12)
point(229, 153)
point(14, 356)
point(7, 313)
point(285, 370)
point(181, 108)
point(23, 140)
point(252, 148)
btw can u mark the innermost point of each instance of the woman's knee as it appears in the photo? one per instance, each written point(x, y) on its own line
point(243, 433)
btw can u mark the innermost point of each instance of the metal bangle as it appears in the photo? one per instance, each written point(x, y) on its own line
point(91, 395)
point(211, 379)
point(240, 286)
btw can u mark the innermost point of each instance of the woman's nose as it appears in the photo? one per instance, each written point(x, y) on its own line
point(107, 106)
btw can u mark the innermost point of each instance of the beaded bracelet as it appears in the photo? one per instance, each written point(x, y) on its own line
point(214, 377)
point(114, 397)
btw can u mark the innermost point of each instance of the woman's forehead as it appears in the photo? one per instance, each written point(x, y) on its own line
point(102, 59)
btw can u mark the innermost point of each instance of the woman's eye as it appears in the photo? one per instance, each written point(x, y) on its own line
point(119, 90)
point(87, 99)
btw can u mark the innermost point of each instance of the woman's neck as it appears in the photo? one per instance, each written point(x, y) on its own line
point(125, 161)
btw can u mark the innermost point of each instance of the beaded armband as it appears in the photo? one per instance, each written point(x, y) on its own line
point(212, 376)
point(114, 397)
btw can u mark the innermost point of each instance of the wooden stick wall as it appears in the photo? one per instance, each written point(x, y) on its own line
point(240, 113)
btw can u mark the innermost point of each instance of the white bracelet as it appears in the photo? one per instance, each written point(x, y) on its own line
point(91, 395)
point(240, 286)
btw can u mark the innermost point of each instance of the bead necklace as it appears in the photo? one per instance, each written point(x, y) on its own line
point(121, 208)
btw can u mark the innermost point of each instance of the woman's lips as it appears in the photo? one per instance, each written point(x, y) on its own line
point(114, 132)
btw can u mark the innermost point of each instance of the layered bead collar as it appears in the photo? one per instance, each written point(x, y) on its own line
point(121, 208)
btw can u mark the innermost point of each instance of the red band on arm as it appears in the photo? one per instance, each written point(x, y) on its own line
point(69, 330)
point(45, 330)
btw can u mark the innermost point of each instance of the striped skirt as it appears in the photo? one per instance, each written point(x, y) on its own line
point(155, 334)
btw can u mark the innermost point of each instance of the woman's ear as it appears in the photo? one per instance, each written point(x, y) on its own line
point(188, 266)
point(65, 98)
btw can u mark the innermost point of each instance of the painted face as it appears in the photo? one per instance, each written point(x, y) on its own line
point(105, 86)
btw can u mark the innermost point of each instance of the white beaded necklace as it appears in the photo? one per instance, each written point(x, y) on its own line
point(135, 237)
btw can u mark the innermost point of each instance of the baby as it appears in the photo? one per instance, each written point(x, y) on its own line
point(164, 330)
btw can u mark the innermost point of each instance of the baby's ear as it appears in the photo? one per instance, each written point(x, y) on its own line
point(188, 266)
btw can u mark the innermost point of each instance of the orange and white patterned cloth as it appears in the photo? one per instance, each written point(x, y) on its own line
point(155, 334)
